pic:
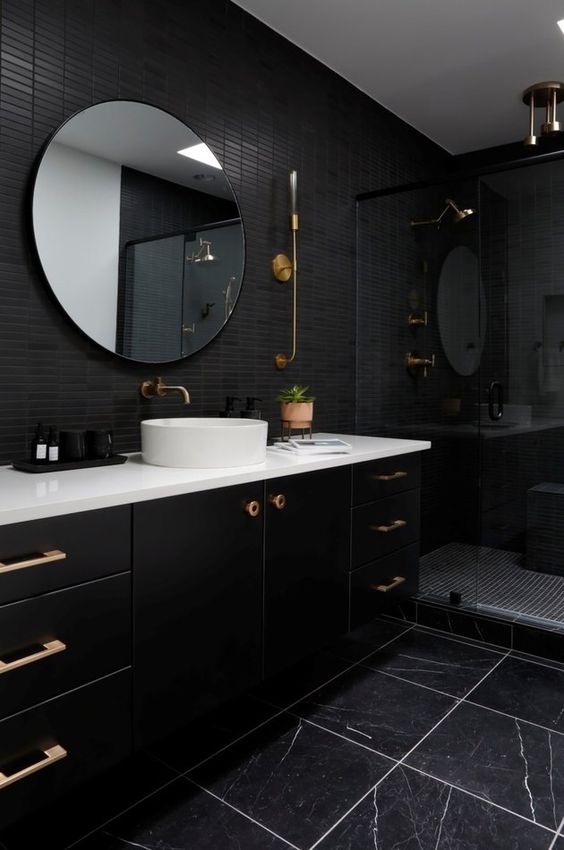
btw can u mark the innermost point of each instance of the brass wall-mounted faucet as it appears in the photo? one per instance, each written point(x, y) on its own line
point(158, 389)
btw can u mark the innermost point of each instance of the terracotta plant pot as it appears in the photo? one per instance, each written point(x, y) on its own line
point(298, 413)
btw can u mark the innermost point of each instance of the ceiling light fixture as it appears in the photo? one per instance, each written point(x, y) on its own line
point(201, 153)
point(547, 95)
point(561, 24)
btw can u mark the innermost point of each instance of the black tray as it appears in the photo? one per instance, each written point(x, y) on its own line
point(27, 466)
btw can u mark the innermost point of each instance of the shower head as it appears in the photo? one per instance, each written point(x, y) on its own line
point(459, 214)
point(204, 254)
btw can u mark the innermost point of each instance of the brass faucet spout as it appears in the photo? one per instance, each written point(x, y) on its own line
point(158, 389)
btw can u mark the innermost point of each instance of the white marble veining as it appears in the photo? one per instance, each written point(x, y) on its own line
point(25, 496)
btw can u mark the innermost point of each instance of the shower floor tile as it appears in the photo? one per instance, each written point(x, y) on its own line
point(492, 579)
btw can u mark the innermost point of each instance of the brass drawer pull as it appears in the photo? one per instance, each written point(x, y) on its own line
point(393, 526)
point(252, 508)
point(278, 501)
point(32, 560)
point(390, 476)
point(385, 588)
point(51, 755)
point(49, 648)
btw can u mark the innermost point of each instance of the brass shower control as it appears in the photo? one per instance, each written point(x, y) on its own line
point(414, 363)
point(415, 321)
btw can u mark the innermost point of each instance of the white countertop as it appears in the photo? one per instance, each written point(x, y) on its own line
point(27, 496)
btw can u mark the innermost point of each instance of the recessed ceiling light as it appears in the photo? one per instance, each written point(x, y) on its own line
point(561, 24)
point(201, 153)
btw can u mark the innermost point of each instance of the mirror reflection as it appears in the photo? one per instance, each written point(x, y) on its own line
point(138, 231)
point(461, 310)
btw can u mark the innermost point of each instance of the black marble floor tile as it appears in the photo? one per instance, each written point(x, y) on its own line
point(533, 692)
point(414, 812)
point(364, 640)
point(381, 712)
point(465, 625)
point(295, 682)
point(504, 760)
point(427, 659)
point(293, 778)
point(182, 817)
point(92, 804)
point(200, 740)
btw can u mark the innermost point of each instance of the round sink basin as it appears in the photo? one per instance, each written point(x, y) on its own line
point(202, 443)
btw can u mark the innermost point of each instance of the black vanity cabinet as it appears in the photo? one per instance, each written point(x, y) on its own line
point(307, 554)
point(197, 604)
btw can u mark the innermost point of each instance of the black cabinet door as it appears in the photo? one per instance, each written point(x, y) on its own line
point(307, 546)
point(197, 581)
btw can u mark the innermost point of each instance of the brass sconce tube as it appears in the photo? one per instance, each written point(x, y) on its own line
point(283, 269)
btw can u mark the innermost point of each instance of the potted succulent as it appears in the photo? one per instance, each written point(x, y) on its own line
point(296, 406)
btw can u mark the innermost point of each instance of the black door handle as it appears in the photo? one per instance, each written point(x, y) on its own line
point(495, 400)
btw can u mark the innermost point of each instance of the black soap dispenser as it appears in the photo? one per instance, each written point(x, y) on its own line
point(229, 411)
point(251, 412)
point(39, 446)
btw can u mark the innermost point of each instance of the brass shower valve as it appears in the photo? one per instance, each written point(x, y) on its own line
point(414, 363)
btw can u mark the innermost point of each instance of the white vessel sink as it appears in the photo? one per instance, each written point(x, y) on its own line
point(202, 443)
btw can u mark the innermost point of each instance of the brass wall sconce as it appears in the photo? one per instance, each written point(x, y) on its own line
point(284, 268)
point(546, 95)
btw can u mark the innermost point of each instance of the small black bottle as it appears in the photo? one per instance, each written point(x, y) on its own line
point(39, 446)
point(251, 411)
point(229, 411)
point(53, 446)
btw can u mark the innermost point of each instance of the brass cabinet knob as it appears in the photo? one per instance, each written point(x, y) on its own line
point(279, 501)
point(252, 508)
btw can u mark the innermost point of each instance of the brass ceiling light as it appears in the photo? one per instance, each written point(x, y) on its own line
point(547, 95)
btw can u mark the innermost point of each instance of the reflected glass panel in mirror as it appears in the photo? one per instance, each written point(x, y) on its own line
point(138, 231)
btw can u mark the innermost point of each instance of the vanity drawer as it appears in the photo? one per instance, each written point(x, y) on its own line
point(379, 478)
point(86, 732)
point(383, 526)
point(382, 583)
point(46, 554)
point(54, 643)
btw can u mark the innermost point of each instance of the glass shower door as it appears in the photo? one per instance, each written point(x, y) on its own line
point(521, 566)
point(412, 273)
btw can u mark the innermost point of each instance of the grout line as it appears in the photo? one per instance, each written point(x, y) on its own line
point(481, 799)
point(540, 660)
point(122, 812)
point(402, 760)
point(246, 816)
point(409, 682)
point(286, 709)
point(492, 647)
point(556, 837)
point(352, 808)
point(344, 738)
point(514, 717)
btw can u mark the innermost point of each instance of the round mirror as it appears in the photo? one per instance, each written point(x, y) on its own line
point(138, 231)
point(461, 310)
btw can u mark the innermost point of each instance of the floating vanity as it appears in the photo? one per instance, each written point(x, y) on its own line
point(228, 576)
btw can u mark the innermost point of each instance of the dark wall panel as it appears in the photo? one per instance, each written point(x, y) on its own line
point(264, 107)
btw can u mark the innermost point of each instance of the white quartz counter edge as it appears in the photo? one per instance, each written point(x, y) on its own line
point(25, 496)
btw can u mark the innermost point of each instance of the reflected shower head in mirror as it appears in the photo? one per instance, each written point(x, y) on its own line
point(459, 214)
point(204, 253)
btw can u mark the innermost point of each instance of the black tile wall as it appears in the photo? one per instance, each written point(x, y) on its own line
point(264, 107)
